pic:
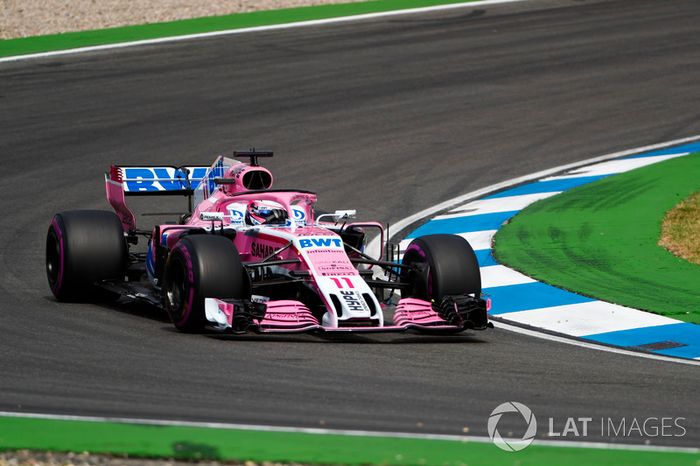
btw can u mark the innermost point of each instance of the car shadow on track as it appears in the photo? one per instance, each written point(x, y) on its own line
point(134, 308)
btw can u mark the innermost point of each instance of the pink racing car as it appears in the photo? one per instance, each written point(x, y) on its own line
point(246, 257)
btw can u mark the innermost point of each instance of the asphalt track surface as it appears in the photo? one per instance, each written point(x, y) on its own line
point(387, 116)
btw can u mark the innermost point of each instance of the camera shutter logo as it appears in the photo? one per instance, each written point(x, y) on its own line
point(512, 444)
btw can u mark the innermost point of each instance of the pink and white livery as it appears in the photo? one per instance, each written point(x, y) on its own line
point(246, 257)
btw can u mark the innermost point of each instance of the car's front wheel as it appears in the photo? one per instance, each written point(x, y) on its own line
point(199, 267)
point(443, 265)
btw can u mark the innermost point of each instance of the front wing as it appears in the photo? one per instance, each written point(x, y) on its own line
point(453, 314)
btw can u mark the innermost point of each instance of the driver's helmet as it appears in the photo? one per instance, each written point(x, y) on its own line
point(265, 213)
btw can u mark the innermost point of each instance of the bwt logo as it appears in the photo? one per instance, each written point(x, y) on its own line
point(160, 178)
point(320, 242)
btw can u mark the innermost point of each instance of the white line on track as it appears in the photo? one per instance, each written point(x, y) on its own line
point(615, 166)
point(589, 318)
point(272, 27)
point(595, 346)
point(402, 224)
point(478, 240)
point(353, 433)
point(499, 275)
point(496, 205)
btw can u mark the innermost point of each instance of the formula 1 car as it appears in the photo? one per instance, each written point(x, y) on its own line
point(246, 257)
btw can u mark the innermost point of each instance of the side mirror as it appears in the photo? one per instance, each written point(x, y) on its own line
point(343, 214)
point(212, 216)
point(338, 215)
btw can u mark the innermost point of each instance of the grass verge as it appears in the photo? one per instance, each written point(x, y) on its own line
point(138, 440)
point(601, 240)
point(71, 40)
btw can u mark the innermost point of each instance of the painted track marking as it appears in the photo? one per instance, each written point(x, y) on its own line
point(583, 171)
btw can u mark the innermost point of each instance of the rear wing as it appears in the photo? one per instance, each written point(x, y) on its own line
point(160, 180)
point(140, 180)
point(196, 182)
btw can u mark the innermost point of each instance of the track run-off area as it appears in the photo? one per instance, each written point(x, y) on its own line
point(389, 116)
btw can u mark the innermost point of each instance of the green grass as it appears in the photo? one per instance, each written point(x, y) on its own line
point(69, 40)
point(601, 240)
point(233, 444)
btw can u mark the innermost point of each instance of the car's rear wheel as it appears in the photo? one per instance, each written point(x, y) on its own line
point(84, 247)
point(444, 265)
point(199, 267)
